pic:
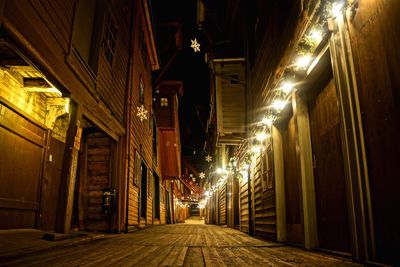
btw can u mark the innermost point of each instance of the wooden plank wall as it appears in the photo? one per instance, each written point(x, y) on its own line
point(375, 40)
point(244, 206)
point(32, 104)
point(47, 40)
point(222, 204)
point(232, 93)
point(263, 204)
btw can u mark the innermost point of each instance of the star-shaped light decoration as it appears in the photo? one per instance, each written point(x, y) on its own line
point(141, 113)
point(208, 158)
point(202, 175)
point(195, 45)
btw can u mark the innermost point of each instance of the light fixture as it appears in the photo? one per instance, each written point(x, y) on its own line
point(268, 120)
point(279, 104)
point(287, 87)
point(303, 61)
point(316, 35)
point(220, 170)
point(261, 136)
point(337, 9)
point(256, 149)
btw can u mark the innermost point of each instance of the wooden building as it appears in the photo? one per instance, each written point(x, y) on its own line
point(322, 88)
point(77, 125)
point(61, 80)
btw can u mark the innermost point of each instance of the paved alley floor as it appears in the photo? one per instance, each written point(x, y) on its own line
point(176, 245)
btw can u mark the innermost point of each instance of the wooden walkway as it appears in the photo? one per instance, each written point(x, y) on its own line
point(179, 245)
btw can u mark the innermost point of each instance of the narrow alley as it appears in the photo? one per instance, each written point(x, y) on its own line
point(199, 132)
point(188, 244)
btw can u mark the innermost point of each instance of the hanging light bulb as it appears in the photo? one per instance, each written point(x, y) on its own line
point(302, 62)
point(268, 120)
point(337, 9)
point(316, 35)
point(279, 104)
point(287, 87)
point(261, 136)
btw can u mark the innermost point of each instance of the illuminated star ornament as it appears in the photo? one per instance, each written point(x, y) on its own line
point(141, 113)
point(202, 175)
point(195, 45)
point(208, 158)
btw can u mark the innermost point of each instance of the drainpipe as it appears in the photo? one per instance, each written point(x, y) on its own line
point(128, 112)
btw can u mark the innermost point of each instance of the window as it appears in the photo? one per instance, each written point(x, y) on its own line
point(87, 32)
point(109, 39)
point(267, 170)
point(164, 102)
point(141, 90)
point(142, 45)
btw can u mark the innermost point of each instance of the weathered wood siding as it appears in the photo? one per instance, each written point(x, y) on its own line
point(375, 40)
point(222, 204)
point(263, 203)
point(244, 206)
point(230, 92)
point(140, 131)
point(32, 104)
point(48, 40)
point(22, 144)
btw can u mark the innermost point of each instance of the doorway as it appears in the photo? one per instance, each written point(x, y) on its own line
point(94, 174)
point(292, 178)
point(156, 201)
point(329, 171)
point(143, 192)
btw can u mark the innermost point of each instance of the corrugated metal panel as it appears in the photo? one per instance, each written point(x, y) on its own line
point(222, 204)
point(244, 206)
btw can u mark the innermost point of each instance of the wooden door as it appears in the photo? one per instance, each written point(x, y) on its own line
point(329, 176)
point(93, 175)
point(22, 149)
point(143, 192)
point(51, 183)
point(293, 190)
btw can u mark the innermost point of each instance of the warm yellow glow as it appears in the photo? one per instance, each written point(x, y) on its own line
point(220, 170)
point(337, 9)
point(67, 105)
point(303, 61)
point(261, 136)
point(279, 104)
point(287, 87)
point(316, 36)
point(256, 149)
point(268, 121)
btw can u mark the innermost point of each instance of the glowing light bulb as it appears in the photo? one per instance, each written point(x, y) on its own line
point(287, 87)
point(316, 35)
point(279, 104)
point(303, 61)
point(261, 136)
point(337, 9)
point(268, 121)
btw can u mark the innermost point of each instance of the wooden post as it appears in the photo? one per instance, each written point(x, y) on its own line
point(68, 173)
point(279, 185)
point(300, 112)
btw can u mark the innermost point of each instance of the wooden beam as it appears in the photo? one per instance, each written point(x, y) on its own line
point(15, 62)
point(68, 174)
point(36, 83)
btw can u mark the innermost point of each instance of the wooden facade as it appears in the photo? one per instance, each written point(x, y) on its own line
point(332, 153)
point(70, 88)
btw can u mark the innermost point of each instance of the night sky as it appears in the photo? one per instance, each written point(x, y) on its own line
point(190, 67)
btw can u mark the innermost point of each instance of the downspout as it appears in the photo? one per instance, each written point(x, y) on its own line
point(128, 117)
point(246, 47)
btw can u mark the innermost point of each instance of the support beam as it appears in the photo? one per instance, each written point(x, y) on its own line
point(300, 112)
point(68, 174)
point(279, 185)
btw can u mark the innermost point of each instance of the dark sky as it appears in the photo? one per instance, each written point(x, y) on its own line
point(190, 67)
